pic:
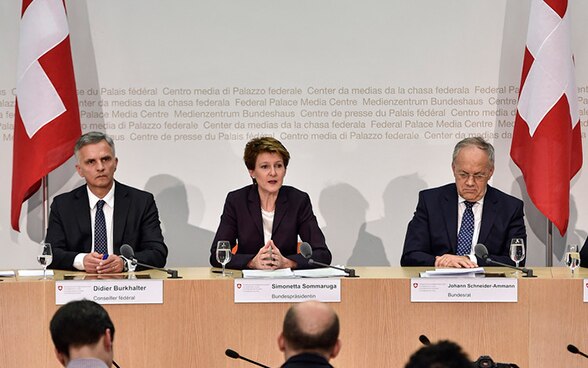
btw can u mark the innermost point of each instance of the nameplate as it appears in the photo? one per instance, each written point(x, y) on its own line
point(485, 290)
point(286, 290)
point(585, 290)
point(110, 291)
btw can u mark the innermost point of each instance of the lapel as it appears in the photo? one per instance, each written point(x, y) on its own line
point(81, 208)
point(122, 203)
point(488, 214)
point(254, 208)
point(449, 206)
point(281, 209)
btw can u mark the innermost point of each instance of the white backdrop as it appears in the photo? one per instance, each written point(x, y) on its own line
point(368, 96)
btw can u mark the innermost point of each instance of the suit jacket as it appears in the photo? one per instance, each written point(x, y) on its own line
point(135, 222)
point(584, 254)
point(241, 223)
point(307, 360)
point(433, 228)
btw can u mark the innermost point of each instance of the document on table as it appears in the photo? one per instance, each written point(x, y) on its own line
point(283, 273)
point(453, 272)
point(321, 272)
point(33, 273)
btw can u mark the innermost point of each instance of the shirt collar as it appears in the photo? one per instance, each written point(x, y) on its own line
point(108, 198)
point(460, 199)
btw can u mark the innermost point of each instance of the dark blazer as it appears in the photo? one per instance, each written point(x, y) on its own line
point(433, 228)
point(308, 360)
point(584, 254)
point(135, 222)
point(241, 223)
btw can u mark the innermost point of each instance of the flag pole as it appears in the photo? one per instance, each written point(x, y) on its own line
point(45, 188)
point(549, 248)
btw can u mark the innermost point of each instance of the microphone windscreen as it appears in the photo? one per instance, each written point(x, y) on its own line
point(424, 340)
point(481, 251)
point(232, 354)
point(127, 251)
point(573, 349)
point(306, 250)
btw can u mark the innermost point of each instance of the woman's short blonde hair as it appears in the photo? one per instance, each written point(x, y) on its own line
point(264, 144)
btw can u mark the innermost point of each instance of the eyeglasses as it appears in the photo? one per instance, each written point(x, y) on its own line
point(477, 177)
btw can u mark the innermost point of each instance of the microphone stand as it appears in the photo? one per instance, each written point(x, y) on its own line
point(527, 271)
point(349, 271)
point(173, 274)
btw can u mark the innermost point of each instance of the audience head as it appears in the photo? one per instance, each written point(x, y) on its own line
point(82, 329)
point(310, 327)
point(444, 354)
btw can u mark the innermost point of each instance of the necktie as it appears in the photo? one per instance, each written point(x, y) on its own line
point(100, 242)
point(466, 231)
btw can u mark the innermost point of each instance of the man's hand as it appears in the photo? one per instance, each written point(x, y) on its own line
point(453, 261)
point(113, 264)
point(91, 261)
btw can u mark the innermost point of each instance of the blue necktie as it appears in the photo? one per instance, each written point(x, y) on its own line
point(466, 231)
point(100, 239)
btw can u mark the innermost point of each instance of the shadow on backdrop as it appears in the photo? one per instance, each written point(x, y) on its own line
point(344, 210)
point(400, 199)
point(189, 245)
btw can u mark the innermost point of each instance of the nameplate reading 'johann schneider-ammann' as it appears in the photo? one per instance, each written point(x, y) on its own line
point(487, 290)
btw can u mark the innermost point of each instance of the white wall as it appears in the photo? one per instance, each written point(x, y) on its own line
point(364, 191)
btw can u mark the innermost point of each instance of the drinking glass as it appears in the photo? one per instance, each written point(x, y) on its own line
point(572, 257)
point(45, 257)
point(223, 253)
point(517, 251)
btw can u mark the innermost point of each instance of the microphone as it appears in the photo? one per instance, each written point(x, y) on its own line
point(424, 340)
point(129, 253)
point(574, 350)
point(482, 252)
point(116, 365)
point(233, 354)
point(306, 251)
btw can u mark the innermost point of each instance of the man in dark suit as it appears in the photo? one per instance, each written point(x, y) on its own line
point(310, 336)
point(88, 225)
point(450, 220)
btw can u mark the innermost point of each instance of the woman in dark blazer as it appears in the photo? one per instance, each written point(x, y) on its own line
point(264, 220)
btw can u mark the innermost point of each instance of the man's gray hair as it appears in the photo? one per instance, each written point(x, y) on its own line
point(93, 138)
point(477, 142)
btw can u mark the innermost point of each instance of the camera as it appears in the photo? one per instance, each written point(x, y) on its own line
point(486, 362)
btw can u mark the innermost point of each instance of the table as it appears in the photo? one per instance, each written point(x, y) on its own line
point(379, 325)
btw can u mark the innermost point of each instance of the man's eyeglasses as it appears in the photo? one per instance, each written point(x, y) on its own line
point(477, 177)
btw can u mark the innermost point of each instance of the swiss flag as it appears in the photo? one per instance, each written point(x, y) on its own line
point(47, 119)
point(546, 143)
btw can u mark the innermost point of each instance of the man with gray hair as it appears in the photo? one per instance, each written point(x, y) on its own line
point(310, 336)
point(88, 225)
point(450, 220)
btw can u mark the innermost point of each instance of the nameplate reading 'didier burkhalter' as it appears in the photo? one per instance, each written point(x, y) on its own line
point(110, 291)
